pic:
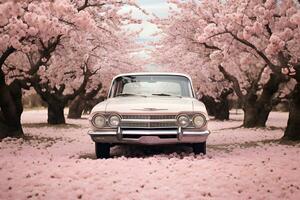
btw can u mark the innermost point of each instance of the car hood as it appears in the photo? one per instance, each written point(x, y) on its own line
point(150, 105)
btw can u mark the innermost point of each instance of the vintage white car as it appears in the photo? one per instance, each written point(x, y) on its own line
point(149, 109)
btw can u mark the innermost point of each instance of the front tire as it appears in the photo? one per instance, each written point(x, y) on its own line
point(102, 150)
point(199, 148)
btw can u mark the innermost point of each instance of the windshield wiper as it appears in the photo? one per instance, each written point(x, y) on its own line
point(128, 94)
point(165, 95)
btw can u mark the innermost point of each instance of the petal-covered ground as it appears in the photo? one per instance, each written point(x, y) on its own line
point(59, 163)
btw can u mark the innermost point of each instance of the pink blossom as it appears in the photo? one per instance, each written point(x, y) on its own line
point(26, 49)
point(257, 28)
point(201, 38)
point(15, 43)
point(275, 39)
point(246, 35)
point(32, 31)
point(295, 19)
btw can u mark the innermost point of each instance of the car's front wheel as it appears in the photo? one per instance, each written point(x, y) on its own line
point(199, 148)
point(102, 150)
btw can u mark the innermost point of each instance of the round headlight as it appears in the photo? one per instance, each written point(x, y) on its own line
point(99, 121)
point(183, 121)
point(199, 121)
point(114, 120)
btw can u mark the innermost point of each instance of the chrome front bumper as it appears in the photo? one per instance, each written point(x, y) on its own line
point(149, 137)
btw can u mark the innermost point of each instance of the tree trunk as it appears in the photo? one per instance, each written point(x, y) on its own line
point(262, 117)
point(222, 110)
point(76, 108)
point(10, 103)
point(257, 110)
point(292, 131)
point(264, 103)
point(255, 116)
point(210, 104)
point(250, 116)
point(222, 107)
point(56, 112)
point(11, 109)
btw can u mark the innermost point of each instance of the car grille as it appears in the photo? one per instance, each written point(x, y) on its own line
point(148, 121)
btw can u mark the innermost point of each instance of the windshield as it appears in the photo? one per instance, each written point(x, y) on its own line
point(152, 85)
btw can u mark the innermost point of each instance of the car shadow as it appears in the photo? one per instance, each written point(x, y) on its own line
point(139, 151)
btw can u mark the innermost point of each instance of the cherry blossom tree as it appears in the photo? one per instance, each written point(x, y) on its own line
point(269, 30)
point(194, 26)
point(18, 35)
point(46, 45)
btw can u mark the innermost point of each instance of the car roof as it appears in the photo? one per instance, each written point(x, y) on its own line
point(153, 73)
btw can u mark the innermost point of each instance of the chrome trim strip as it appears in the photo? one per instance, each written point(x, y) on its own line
point(148, 132)
point(149, 120)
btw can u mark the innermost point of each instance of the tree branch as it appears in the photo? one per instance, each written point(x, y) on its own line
point(274, 67)
point(86, 5)
point(87, 74)
point(234, 81)
point(3, 58)
point(45, 54)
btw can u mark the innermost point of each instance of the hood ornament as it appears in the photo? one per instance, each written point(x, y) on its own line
point(150, 109)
